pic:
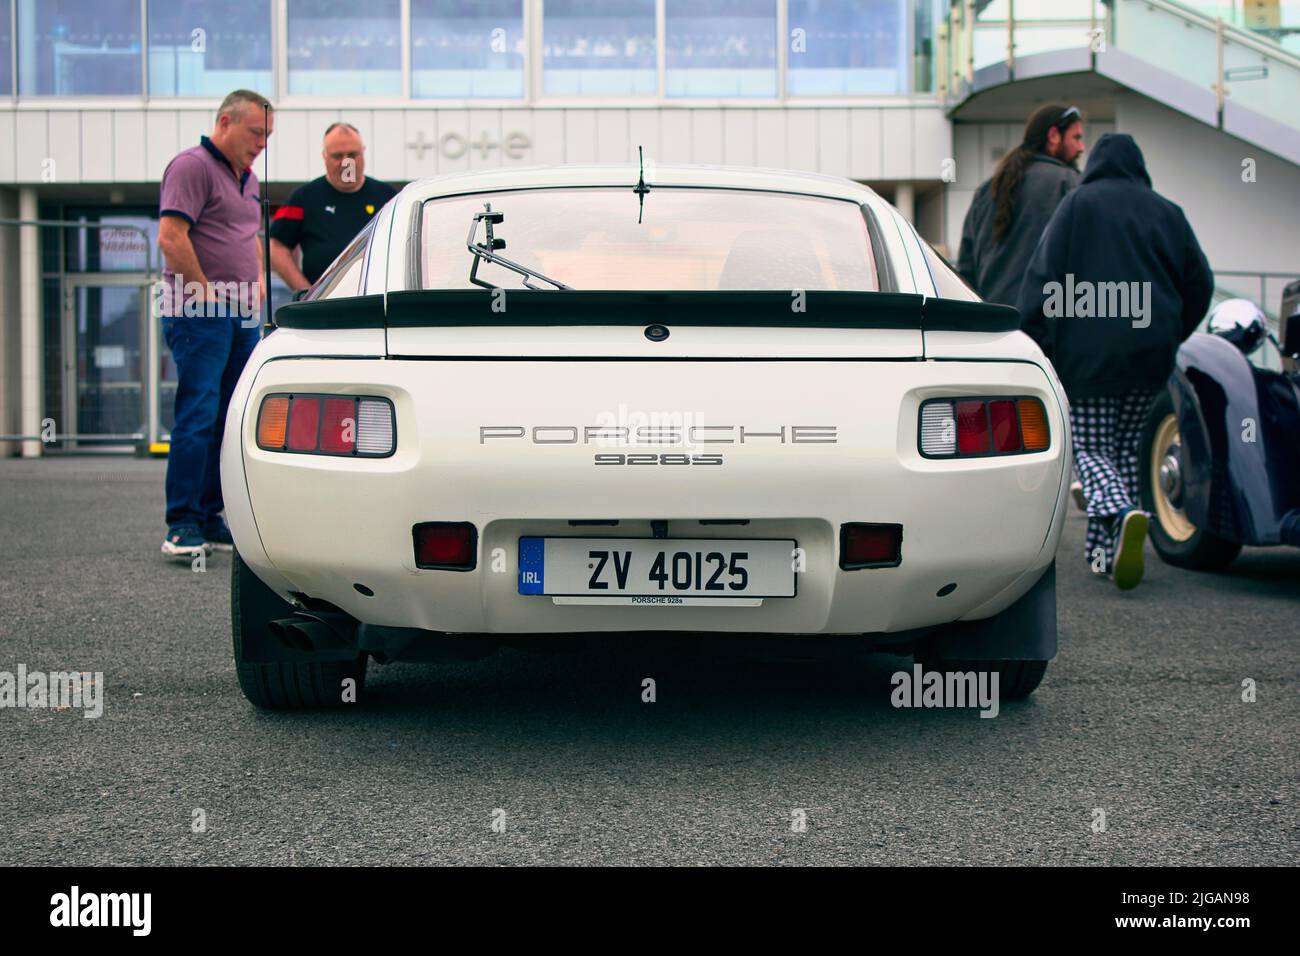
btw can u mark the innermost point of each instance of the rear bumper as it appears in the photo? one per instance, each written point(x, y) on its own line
point(319, 526)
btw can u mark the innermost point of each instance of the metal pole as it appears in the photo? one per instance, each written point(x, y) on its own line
point(1218, 74)
point(1011, 39)
point(1092, 33)
point(968, 28)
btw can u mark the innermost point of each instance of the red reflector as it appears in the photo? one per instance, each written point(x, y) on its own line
point(972, 428)
point(304, 419)
point(338, 430)
point(1006, 430)
point(444, 544)
point(870, 544)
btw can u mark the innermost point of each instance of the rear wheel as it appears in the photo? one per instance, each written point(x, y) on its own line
point(283, 685)
point(1176, 539)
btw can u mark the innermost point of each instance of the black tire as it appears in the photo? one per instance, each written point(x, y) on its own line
point(281, 686)
point(1175, 538)
point(1016, 679)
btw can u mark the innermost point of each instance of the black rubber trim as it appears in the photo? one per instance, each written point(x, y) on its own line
point(957, 315)
point(884, 268)
point(447, 308)
point(352, 312)
point(413, 238)
point(451, 308)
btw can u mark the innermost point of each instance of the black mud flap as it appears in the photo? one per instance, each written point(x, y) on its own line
point(253, 607)
point(1026, 631)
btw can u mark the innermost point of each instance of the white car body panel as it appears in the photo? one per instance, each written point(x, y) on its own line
point(318, 525)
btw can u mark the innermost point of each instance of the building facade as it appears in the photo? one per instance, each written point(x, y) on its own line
point(96, 96)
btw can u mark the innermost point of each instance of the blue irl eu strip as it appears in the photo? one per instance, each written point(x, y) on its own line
point(532, 565)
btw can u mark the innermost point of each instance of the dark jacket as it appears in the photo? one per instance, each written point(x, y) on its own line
point(995, 269)
point(1085, 298)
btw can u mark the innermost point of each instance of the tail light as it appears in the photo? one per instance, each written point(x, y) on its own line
point(982, 427)
point(446, 545)
point(870, 546)
point(350, 426)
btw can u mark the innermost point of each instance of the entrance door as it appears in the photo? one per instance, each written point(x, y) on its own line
point(105, 359)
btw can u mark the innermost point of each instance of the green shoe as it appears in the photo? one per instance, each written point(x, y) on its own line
point(1127, 569)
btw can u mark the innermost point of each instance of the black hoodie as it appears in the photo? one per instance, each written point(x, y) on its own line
point(1118, 280)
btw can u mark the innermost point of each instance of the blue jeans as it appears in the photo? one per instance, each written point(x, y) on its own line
point(210, 354)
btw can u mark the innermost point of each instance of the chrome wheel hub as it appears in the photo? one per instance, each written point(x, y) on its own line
point(1171, 476)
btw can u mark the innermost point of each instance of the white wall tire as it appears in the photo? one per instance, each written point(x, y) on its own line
point(1175, 537)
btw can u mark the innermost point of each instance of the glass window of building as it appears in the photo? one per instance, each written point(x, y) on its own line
point(720, 48)
point(209, 47)
point(467, 48)
point(116, 246)
point(6, 49)
point(79, 48)
point(847, 47)
point(345, 48)
point(599, 47)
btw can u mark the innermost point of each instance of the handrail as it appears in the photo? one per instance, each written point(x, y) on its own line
point(1238, 34)
point(78, 224)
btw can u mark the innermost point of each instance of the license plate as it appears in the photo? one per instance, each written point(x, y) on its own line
point(657, 571)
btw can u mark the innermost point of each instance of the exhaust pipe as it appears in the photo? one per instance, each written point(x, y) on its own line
point(316, 631)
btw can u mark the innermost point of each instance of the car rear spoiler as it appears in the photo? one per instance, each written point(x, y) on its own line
point(445, 308)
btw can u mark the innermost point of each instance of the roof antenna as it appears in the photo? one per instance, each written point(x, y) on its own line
point(266, 215)
point(641, 188)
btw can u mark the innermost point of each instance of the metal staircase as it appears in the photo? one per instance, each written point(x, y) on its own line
point(1234, 79)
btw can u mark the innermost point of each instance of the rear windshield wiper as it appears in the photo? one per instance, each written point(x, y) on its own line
point(486, 252)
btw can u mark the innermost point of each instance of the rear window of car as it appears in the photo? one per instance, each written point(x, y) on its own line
point(687, 239)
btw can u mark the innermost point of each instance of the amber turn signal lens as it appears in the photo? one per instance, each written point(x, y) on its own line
point(272, 422)
point(1033, 424)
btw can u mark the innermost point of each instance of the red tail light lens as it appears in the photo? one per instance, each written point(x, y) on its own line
point(304, 423)
point(870, 546)
point(446, 545)
point(982, 427)
point(343, 425)
point(338, 430)
point(972, 429)
point(1006, 429)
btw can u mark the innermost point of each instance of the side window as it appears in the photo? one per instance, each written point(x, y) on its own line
point(948, 284)
point(343, 277)
point(921, 280)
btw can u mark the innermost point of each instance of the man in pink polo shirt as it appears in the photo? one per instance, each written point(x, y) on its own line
point(210, 300)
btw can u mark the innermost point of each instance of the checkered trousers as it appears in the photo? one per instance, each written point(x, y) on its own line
point(1107, 433)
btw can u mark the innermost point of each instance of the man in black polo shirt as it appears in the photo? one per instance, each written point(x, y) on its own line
point(326, 214)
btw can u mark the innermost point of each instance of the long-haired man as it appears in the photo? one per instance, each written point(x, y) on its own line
point(1011, 210)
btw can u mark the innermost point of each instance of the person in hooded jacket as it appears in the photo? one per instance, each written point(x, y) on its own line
point(1116, 284)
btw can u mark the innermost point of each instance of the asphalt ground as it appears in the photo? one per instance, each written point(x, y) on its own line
point(1140, 717)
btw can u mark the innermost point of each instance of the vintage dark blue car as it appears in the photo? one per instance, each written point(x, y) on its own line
point(1221, 451)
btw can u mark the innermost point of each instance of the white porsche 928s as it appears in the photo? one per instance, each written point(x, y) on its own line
point(581, 401)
